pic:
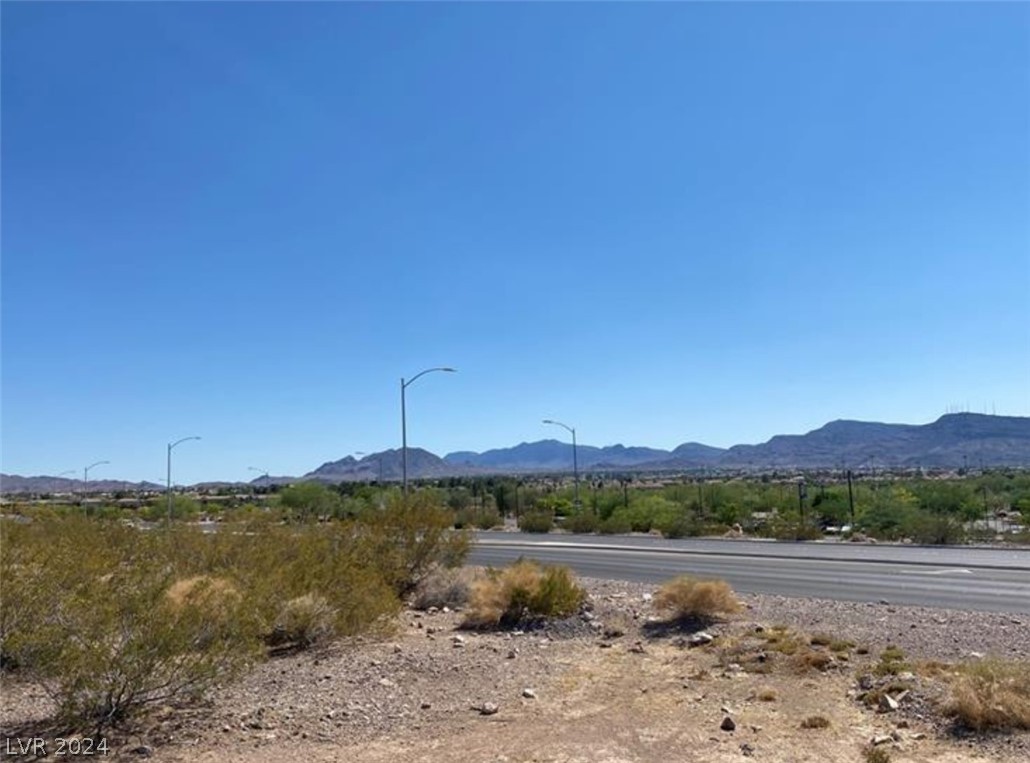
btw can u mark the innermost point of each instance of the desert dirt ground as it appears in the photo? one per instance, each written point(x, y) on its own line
point(611, 685)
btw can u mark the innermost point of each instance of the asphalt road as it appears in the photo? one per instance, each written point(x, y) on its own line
point(957, 578)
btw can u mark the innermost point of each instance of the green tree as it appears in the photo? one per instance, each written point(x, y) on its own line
point(309, 500)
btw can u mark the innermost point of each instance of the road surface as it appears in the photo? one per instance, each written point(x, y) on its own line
point(956, 578)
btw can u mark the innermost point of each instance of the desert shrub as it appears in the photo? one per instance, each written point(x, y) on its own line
point(482, 519)
point(536, 521)
point(686, 597)
point(524, 591)
point(780, 638)
point(616, 524)
point(812, 659)
point(767, 694)
point(304, 501)
point(991, 694)
point(935, 529)
point(892, 662)
point(678, 526)
point(787, 527)
point(115, 629)
point(304, 622)
point(815, 722)
point(582, 522)
point(443, 588)
point(162, 616)
point(876, 755)
point(410, 537)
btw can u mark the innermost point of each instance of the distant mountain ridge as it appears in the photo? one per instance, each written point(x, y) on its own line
point(554, 455)
point(954, 440)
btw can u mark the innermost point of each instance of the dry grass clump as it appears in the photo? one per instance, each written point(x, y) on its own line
point(444, 588)
point(815, 722)
point(991, 694)
point(304, 622)
point(687, 598)
point(813, 659)
point(874, 697)
point(767, 694)
point(876, 755)
point(832, 643)
point(932, 668)
point(523, 592)
point(780, 638)
point(199, 590)
point(892, 662)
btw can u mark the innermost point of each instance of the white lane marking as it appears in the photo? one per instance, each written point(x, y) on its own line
point(937, 572)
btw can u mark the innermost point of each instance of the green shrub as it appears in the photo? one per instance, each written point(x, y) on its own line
point(116, 629)
point(482, 519)
point(524, 591)
point(582, 522)
point(679, 526)
point(616, 524)
point(412, 536)
point(536, 521)
point(935, 529)
point(792, 528)
point(162, 616)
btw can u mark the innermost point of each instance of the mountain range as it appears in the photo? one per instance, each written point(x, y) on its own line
point(953, 441)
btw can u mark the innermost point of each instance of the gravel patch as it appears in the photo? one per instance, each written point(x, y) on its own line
point(429, 675)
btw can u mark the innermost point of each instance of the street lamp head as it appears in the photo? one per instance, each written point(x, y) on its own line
point(450, 370)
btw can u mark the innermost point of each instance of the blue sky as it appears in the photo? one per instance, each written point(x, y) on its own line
point(658, 223)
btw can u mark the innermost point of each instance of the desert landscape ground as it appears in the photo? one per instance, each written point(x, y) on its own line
point(615, 682)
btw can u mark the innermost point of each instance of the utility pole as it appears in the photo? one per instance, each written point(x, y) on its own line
point(851, 501)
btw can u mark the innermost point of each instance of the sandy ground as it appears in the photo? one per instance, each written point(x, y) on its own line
point(417, 694)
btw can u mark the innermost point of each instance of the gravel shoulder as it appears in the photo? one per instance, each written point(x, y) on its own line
point(424, 691)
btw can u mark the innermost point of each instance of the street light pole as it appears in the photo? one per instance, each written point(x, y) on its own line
point(171, 445)
point(575, 458)
point(262, 472)
point(404, 422)
point(85, 480)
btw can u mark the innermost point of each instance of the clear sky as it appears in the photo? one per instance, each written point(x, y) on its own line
point(658, 223)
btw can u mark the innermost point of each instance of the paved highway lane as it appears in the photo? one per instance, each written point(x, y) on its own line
point(1018, 558)
point(998, 588)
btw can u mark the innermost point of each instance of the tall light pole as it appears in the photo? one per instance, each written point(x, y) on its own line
point(575, 459)
point(404, 421)
point(262, 472)
point(85, 480)
point(171, 445)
